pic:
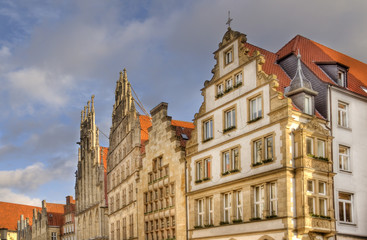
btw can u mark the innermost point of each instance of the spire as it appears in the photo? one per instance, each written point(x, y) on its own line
point(88, 108)
point(299, 80)
point(92, 104)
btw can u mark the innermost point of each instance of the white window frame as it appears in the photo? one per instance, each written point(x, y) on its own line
point(256, 108)
point(313, 186)
point(323, 201)
point(322, 190)
point(239, 212)
point(227, 205)
point(208, 129)
point(228, 56)
point(321, 150)
point(343, 120)
point(53, 236)
point(210, 211)
point(226, 162)
point(308, 105)
point(344, 202)
point(258, 201)
point(273, 199)
point(200, 213)
point(341, 78)
point(257, 151)
point(344, 159)
point(230, 118)
point(313, 204)
point(220, 89)
point(238, 78)
point(229, 84)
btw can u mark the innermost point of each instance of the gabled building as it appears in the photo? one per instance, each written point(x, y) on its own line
point(68, 227)
point(161, 199)
point(341, 83)
point(259, 163)
point(91, 179)
point(127, 136)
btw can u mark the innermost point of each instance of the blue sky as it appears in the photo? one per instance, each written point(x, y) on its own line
point(54, 54)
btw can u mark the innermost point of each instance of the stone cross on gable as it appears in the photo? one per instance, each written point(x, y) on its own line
point(229, 19)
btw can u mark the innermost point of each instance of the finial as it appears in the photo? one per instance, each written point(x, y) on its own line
point(229, 20)
point(93, 102)
point(125, 75)
point(120, 75)
point(88, 108)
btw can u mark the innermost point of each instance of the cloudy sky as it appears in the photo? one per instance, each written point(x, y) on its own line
point(54, 54)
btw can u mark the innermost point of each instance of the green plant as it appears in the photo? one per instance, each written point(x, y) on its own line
point(198, 227)
point(254, 120)
point(237, 221)
point(223, 223)
point(234, 170)
point(318, 157)
point(209, 225)
point(206, 179)
point(225, 173)
point(237, 85)
point(228, 90)
point(272, 216)
point(267, 160)
point(208, 139)
point(198, 181)
point(219, 95)
point(229, 128)
point(255, 219)
point(257, 164)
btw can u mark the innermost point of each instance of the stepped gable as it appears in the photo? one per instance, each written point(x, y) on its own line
point(314, 53)
point(55, 213)
point(10, 214)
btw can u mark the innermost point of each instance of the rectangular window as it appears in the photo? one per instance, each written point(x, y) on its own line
point(226, 163)
point(269, 147)
point(206, 168)
point(238, 79)
point(322, 188)
point(309, 145)
point(53, 236)
point(345, 207)
point(273, 199)
point(322, 207)
point(227, 204)
point(220, 89)
point(200, 220)
point(308, 105)
point(234, 159)
point(198, 170)
point(344, 158)
point(341, 78)
point(210, 211)
point(320, 148)
point(208, 130)
point(310, 186)
point(257, 151)
point(342, 114)
point(258, 201)
point(255, 108)
point(112, 231)
point(239, 213)
point(311, 205)
point(229, 84)
point(229, 119)
point(228, 57)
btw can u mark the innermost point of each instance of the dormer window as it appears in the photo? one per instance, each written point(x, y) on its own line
point(341, 78)
point(228, 56)
point(308, 105)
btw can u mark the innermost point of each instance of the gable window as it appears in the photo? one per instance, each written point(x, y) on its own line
point(342, 114)
point(229, 119)
point(344, 158)
point(345, 201)
point(228, 56)
point(229, 84)
point(341, 78)
point(208, 130)
point(227, 207)
point(308, 105)
point(255, 108)
point(238, 79)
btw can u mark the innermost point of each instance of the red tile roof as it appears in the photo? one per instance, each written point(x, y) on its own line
point(145, 123)
point(10, 214)
point(55, 214)
point(182, 124)
point(103, 157)
point(313, 53)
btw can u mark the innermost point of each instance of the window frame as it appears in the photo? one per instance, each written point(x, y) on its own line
point(229, 119)
point(343, 114)
point(273, 199)
point(228, 56)
point(208, 129)
point(232, 163)
point(344, 157)
point(200, 212)
point(259, 102)
point(227, 207)
point(238, 79)
point(344, 202)
point(260, 152)
point(308, 105)
point(210, 203)
point(239, 205)
point(259, 212)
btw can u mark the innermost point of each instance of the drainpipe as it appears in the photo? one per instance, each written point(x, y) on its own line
point(294, 185)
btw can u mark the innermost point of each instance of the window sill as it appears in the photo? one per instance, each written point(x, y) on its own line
point(230, 172)
point(254, 120)
point(345, 128)
point(206, 140)
point(263, 162)
point(345, 171)
point(347, 223)
point(202, 180)
point(229, 129)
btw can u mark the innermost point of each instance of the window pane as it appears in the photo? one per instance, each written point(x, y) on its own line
point(348, 212)
point(257, 151)
point(322, 188)
point(269, 148)
point(309, 145)
point(311, 205)
point(320, 148)
point(310, 186)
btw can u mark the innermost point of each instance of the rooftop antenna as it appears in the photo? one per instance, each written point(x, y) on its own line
point(229, 20)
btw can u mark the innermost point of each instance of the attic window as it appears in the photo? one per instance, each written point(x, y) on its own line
point(228, 56)
point(341, 78)
point(184, 136)
point(308, 105)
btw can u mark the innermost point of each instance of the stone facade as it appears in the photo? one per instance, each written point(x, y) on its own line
point(124, 161)
point(90, 190)
point(47, 222)
point(162, 178)
point(68, 228)
point(249, 174)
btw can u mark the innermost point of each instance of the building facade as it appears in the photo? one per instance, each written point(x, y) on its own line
point(124, 162)
point(68, 228)
point(161, 201)
point(90, 185)
point(47, 223)
point(259, 163)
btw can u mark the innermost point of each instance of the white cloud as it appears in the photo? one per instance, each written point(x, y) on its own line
point(4, 52)
point(6, 195)
point(31, 86)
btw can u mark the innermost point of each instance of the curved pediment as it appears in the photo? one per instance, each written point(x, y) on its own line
point(230, 35)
